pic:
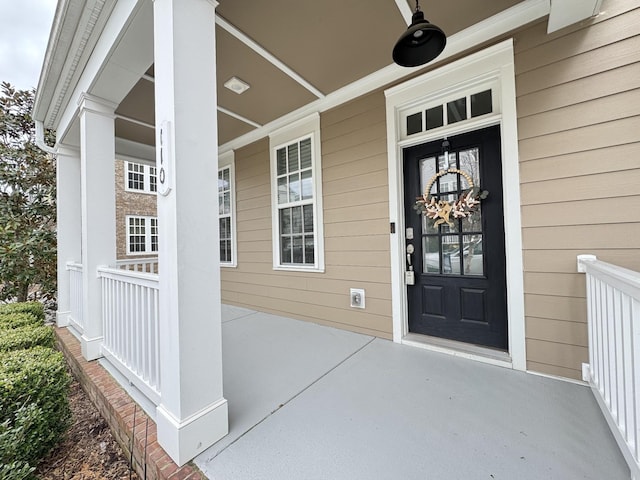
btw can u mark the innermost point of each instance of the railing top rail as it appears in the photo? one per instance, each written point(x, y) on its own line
point(621, 278)
point(133, 261)
point(139, 278)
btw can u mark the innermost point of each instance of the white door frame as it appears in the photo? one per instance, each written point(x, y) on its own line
point(494, 67)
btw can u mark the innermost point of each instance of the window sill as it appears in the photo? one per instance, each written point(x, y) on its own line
point(283, 268)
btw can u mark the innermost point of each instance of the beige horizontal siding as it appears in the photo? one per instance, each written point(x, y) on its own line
point(356, 228)
point(564, 261)
point(578, 99)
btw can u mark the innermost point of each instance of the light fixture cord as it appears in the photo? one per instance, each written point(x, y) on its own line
point(417, 6)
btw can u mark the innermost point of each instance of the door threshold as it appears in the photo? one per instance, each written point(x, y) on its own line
point(459, 349)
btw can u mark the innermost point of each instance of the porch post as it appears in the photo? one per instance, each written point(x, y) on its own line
point(68, 229)
point(193, 412)
point(97, 155)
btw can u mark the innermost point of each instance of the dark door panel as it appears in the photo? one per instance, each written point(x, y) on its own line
point(460, 272)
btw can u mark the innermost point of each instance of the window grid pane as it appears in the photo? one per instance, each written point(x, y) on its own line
point(137, 237)
point(295, 199)
point(225, 214)
point(135, 175)
point(153, 179)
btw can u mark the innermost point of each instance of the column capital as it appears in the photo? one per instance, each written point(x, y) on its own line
point(67, 151)
point(91, 103)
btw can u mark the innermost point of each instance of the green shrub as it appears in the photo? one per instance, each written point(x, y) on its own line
point(11, 437)
point(26, 337)
point(34, 308)
point(16, 471)
point(34, 406)
point(16, 320)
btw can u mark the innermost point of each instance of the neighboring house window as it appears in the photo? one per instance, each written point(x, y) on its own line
point(226, 210)
point(296, 186)
point(142, 235)
point(140, 177)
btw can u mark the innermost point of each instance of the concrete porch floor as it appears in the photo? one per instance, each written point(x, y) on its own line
point(312, 402)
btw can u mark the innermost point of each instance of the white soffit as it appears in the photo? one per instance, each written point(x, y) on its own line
point(567, 12)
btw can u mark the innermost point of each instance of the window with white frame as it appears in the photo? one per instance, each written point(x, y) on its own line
point(225, 215)
point(297, 226)
point(140, 177)
point(142, 235)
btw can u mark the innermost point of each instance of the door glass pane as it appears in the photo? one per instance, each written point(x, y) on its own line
point(470, 163)
point(450, 254)
point(431, 252)
point(473, 223)
point(427, 171)
point(473, 255)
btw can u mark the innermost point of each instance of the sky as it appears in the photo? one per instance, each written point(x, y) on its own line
point(24, 32)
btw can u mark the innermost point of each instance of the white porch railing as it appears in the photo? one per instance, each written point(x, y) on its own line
point(148, 265)
point(613, 309)
point(76, 319)
point(130, 315)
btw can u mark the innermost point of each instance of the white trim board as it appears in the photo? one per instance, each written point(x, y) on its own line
point(492, 64)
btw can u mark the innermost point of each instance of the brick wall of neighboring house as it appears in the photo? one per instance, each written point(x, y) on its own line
point(129, 203)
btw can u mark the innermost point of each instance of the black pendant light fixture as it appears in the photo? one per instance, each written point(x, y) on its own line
point(421, 43)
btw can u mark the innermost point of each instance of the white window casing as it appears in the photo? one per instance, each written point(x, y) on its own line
point(296, 194)
point(141, 235)
point(227, 210)
point(140, 177)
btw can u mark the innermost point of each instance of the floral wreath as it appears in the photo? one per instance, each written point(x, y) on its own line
point(441, 210)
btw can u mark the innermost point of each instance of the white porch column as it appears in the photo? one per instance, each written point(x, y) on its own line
point(193, 413)
point(68, 229)
point(97, 152)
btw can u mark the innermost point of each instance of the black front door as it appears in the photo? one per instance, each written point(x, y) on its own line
point(459, 263)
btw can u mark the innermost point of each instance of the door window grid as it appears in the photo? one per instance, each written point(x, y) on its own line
point(442, 246)
point(295, 199)
point(225, 213)
point(142, 235)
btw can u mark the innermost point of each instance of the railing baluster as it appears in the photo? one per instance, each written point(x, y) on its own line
point(130, 313)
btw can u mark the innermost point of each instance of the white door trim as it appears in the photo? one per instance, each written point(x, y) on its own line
point(492, 64)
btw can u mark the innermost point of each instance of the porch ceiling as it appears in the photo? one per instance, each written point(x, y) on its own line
point(292, 53)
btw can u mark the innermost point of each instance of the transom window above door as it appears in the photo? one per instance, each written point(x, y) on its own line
point(449, 112)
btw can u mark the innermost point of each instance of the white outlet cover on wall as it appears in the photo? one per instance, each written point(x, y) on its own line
point(356, 296)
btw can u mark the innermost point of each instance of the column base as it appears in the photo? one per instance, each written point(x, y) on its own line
point(185, 439)
point(91, 347)
point(62, 318)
